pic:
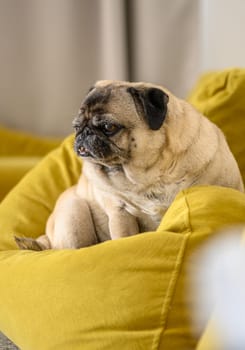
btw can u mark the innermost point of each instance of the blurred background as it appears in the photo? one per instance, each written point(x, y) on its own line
point(52, 51)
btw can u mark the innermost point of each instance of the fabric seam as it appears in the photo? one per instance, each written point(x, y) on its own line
point(172, 285)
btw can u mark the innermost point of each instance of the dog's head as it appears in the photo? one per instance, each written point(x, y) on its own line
point(119, 121)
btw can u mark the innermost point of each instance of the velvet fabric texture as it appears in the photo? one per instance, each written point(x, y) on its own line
point(127, 293)
point(20, 152)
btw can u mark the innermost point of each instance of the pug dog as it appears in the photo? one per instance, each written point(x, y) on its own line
point(140, 146)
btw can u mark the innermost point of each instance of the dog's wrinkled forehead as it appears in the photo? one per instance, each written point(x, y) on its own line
point(96, 97)
point(99, 95)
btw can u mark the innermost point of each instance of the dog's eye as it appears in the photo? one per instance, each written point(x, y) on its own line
point(76, 127)
point(110, 128)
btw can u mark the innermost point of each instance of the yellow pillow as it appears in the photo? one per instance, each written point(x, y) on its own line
point(18, 143)
point(123, 294)
point(12, 169)
point(220, 96)
point(210, 339)
point(19, 152)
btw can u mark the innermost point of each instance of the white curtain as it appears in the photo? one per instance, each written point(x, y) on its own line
point(50, 51)
point(222, 24)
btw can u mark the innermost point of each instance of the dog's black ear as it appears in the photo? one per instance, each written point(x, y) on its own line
point(154, 102)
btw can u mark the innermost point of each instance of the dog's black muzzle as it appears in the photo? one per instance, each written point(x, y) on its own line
point(90, 144)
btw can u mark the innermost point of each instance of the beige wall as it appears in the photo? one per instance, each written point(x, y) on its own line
point(166, 43)
point(222, 33)
point(49, 55)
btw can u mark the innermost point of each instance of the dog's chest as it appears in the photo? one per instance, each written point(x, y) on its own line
point(152, 203)
point(139, 199)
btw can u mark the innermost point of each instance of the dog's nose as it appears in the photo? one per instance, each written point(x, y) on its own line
point(87, 131)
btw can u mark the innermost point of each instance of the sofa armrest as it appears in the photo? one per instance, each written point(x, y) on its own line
point(12, 169)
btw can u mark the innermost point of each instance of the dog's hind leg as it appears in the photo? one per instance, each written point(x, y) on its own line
point(71, 225)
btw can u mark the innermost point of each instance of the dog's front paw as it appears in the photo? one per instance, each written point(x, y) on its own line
point(28, 243)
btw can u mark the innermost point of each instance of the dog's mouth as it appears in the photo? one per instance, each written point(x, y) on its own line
point(95, 149)
point(84, 152)
point(94, 153)
point(98, 157)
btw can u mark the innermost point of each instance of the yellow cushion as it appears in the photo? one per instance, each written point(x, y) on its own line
point(220, 96)
point(124, 294)
point(12, 169)
point(211, 338)
point(19, 152)
point(17, 143)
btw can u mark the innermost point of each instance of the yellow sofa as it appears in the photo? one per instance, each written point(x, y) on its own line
point(131, 293)
point(19, 152)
